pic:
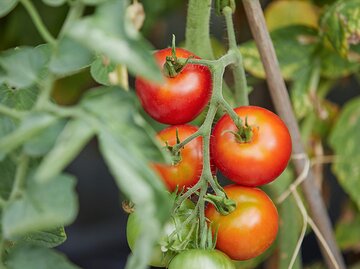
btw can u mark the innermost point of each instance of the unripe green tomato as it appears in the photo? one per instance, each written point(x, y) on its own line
point(201, 259)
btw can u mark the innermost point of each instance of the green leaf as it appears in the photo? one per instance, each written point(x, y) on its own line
point(49, 239)
point(71, 141)
point(294, 47)
point(32, 257)
point(93, 2)
point(6, 6)
point(341, 25)
point(344, 140)
point(7, 175)
point(347, 233)
point(42, 143)
point(100, 70)
point(41, 207)
point(54, 3)
point(31, 126)
point(108, 32)
point(69, 57)
point(127, 149)
point(21, 99)
point(290, 222)
point(25, 66)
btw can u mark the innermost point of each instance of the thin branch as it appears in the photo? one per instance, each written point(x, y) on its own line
point(11, 112)
point(282, 104)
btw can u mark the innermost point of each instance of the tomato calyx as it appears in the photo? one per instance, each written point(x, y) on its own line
point(222, 203)
point(128, 206)
point(173, 66)
point(175, 154)
point(245, 132)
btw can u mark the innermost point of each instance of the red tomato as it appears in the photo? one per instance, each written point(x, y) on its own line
point(180, 99)
point(258, 161)
point(250, 229)
point(188, 171)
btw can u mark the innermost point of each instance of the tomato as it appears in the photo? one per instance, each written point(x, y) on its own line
point(201, 259)
point(188, 171)
point(179, 99)
point(250, 229)
point(258, 161)
point(161, 256)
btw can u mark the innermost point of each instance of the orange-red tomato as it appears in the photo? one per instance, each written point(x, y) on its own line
point(188, 171)
point(258, 161)
point(250, 229)
point(179, 99)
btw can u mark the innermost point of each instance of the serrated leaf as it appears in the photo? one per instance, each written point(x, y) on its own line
point(32, 125)
point(49, 239)
point(294, 47)
point(344, 140)
point(290, 222)
point(25, 66)
point(54, 3)
point(341, 25)
point(32, 257)
point(6, 6)
point(41, 207)
point(100, 70)
point(108, 32)
point(127, 149)
point(71, 141)
point(69, 57)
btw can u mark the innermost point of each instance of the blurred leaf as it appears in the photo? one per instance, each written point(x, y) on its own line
point(42, 143)
point(41, 207)
point(7, 174)
point(54, 3)
point(290, 222)
point(6, 6)
point(93, 2)
point(49, 239)
point(32, 257)
point(317, 265)
point(347, 230)
point(71, 141)
point(69, 57)
point(341, 25)
point(127, 149)
point(294, 46)
point(283, 13)
point(31, 126)
point(344, 140)
point(255, 262)
point(25, 66)
point(100, 70)
point(107, 32)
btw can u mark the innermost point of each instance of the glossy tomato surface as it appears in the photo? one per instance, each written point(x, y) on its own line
point(250, 229)
point(201, 259)
point(187, 172)
point(258, 161)
point(177, 100)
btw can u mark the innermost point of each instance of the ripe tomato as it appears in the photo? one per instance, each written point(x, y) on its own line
point(179, 99)
point(250, 229)
point(201, 259)
point(161, 254)
point(258, 161)
point(187, 172)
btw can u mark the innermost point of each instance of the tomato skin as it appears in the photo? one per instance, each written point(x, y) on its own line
point(188, 171)
point(180, 99)
point(250, 229)
point(201, 259)
point(259, 161)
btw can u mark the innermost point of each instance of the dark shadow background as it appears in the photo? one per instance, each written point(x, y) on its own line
point(97, 239)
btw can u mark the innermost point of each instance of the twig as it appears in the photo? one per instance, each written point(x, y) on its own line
point(282, 104)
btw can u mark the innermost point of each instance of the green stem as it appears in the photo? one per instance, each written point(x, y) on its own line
point(11, 112)
point(44, 32)
point(197, 33)
point(20, 177)
point(241, 91)
point(76, 10)
point(46, 89)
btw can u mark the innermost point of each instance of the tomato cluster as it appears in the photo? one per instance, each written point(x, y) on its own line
point(251, 150)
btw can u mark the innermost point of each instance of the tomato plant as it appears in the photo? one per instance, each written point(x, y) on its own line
point(199, 258)
point(179, 99)
point(250, 229)
point(251, 159)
